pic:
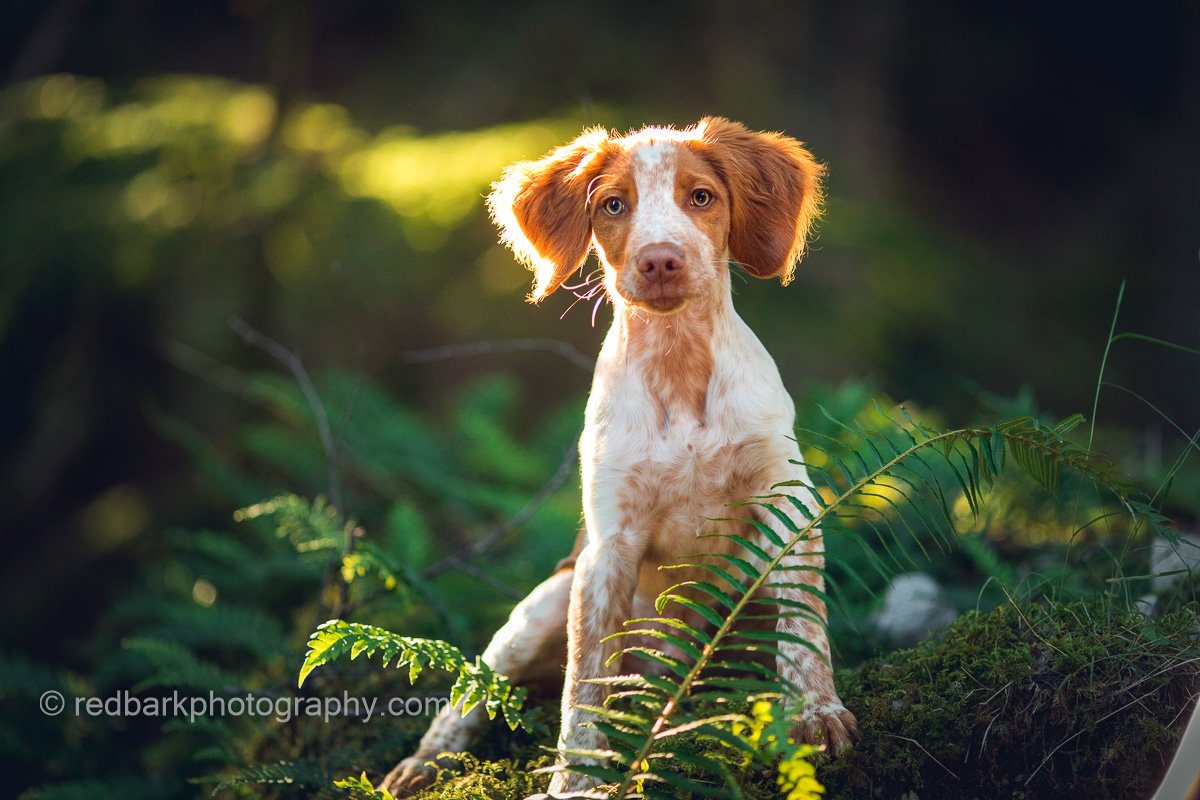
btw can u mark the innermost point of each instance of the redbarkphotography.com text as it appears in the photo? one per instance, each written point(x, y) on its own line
point(282, 709)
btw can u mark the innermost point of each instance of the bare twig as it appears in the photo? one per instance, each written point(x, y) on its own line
point(296, 367)
point(500, 586)
point(567, 351)
point(458, 560)
point(203, 366)
point(926, 752)
point(489, 539)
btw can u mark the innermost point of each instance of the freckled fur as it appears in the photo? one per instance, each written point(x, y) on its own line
point(687, 412)
point(677, 360)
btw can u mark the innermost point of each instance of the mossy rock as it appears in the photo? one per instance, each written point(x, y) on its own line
point(1049, 700)
point(1046, 701)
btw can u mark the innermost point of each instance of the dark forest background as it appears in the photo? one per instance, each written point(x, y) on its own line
point(317, 170)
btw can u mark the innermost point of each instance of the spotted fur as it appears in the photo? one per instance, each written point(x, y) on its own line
point(687, 412)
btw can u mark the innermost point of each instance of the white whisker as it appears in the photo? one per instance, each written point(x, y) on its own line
point(603, 296)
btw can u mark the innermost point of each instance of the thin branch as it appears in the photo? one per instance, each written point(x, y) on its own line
point(485, 578)
point(567, 351)
point(926, 752)
point(296, 367)
point(201, 365)
point(489, 539)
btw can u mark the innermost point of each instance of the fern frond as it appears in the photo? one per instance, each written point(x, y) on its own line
point(175, 665)
point(477, 683)
point(222, 625)
point(284, 773)
point(368, 560)
point(310, 526)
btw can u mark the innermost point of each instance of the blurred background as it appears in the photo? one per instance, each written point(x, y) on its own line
point(317, 170)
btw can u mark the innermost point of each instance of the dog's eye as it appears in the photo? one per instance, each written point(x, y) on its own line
point(701, 198)
point(613, 206)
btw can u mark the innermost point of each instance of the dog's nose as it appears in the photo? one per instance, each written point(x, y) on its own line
point(660, 262)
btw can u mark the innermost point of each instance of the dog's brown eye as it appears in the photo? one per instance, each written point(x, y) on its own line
point(701, 198)
point(613, 206)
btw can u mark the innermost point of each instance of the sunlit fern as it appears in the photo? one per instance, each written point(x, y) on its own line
point(684, 729)
point(476, 684)
point(281, 773)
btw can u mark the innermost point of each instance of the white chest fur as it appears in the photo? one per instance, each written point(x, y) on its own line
point(663, 455)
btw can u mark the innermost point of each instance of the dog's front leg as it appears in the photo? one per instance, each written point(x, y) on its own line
point(527, 648)
point(799, 584)
point(601, 599)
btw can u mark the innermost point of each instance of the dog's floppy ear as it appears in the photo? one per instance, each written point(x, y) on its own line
point(775, 188)
point(541, 208)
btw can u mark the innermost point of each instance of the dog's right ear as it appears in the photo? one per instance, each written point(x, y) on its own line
point(541, 208)
point(775, 188)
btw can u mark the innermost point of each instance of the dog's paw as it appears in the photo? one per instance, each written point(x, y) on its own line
point(830, 724)
point(409, 777)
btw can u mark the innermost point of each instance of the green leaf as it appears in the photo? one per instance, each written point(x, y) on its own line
point(476, 682)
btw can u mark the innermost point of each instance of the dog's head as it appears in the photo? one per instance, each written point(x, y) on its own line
point(666, 209)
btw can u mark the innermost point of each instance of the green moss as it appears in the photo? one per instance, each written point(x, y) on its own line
point(1054, 700)
point(503, 779)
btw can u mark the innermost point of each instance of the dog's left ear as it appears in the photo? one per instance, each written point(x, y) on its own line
point(775, 188)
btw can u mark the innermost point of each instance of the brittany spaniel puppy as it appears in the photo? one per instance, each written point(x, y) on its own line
point(687, 412)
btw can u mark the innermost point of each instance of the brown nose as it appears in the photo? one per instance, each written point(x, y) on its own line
point(660, 262)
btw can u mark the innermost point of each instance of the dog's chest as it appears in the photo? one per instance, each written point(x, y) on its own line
point(676, 459)
point(684, 419)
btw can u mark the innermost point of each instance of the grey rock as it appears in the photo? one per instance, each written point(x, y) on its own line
point(1166, 556)
point(913, 607)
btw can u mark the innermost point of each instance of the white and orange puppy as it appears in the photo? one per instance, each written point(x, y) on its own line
point(687, 412)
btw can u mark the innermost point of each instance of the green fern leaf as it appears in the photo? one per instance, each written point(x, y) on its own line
point(476, 683)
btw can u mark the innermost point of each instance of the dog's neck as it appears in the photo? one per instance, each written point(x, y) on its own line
point(673, 354)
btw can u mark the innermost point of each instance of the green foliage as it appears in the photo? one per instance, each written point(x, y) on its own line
point(282, 773)
point(361, 788)
point(767, 735)
point(176, 665)
point(226, 609)
point(491, 779)
point(309, 526)
point(476, 682)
